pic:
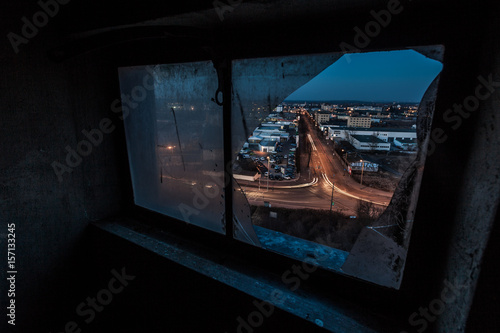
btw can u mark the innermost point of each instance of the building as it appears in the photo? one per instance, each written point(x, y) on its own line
point(281, 124)
point(322, 116)
point(406, 143)
point(353, 161)
point(359, 122)
point(381, 115)
point(327, 107)
point(365, 108)
point(247, 175)
point(336, 133)
point(369, 142)
point(267, 146)
point(254, 139)
point(383, 133)
point(362, 166)
point(334, 123)
point(271, 133)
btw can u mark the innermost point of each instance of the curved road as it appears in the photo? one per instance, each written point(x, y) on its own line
point(324, 170)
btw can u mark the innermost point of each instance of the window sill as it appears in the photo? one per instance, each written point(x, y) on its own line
point(223, 266)
point(294, 247)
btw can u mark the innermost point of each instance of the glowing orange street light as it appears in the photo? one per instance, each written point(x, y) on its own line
point(362, 168)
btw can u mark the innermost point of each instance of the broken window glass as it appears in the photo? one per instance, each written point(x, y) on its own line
point(338, 173)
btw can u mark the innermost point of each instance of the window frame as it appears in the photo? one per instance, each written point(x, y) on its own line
point(354, 289)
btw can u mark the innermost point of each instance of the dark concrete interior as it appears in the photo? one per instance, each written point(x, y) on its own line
point(63, 79)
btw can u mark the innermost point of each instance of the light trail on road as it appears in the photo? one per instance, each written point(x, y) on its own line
point(312, 142)
point(330, 166)
point(316, 193)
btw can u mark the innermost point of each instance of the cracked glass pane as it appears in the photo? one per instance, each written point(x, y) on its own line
point(259, 85)
point(329, 151)
point(174, 138)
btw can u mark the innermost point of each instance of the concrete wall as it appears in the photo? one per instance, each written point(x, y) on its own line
point(44, 107)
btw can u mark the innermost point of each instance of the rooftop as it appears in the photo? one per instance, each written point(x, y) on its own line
point(408, 140)
point(368, 138)
point(381, 129)
point(267, 143)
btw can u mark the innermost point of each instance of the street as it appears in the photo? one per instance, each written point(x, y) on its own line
point(319, 171)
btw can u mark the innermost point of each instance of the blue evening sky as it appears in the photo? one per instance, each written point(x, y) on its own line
point(391, 76)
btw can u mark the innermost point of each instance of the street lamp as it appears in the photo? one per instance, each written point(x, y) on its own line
point(268, 174)
point(260, 176)
point(331, 200)
point(362, 168)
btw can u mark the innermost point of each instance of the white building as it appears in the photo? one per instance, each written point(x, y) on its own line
point(369, 142)
point(255, 139)
point(247, 175)
point(279, 124)
point(267, 146)
point(406, 144)
point(271, 133)
point(384, 134)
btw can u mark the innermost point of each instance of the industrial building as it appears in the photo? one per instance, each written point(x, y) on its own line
point(369, 142)
point(359, 122)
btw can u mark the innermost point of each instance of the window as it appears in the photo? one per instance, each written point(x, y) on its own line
point(175, 140)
